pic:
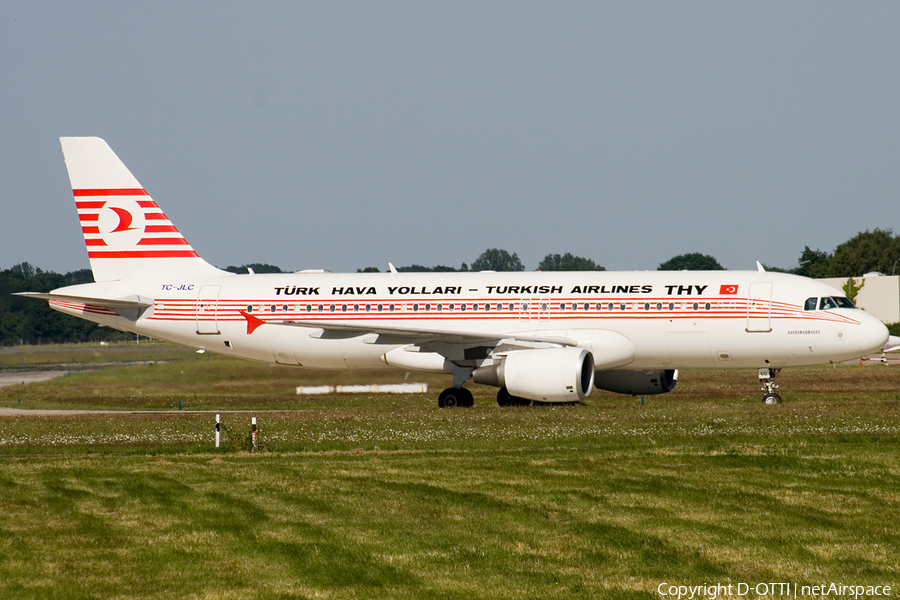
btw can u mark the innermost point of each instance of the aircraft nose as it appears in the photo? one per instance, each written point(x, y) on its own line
point(873, 334)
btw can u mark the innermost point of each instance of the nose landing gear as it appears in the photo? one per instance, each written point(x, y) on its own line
point(767, 377)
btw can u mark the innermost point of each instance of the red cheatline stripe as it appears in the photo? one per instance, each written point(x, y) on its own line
point(144, 254)
point(94, 242)
point(156, 217)
point(91, 217)
point(84, 204)
point(160, 229)
point(163, 242)
point(91, 229)
point(111, 192)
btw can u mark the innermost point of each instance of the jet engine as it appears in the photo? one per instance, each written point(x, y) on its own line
point(636, 383)
point(546, 375)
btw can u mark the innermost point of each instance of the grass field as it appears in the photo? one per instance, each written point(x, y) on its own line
point(389, 497)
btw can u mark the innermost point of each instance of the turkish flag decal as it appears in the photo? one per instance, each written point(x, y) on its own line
point(728, 290)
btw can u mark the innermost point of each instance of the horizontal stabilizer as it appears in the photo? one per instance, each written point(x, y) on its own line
point(129, 308)
point(127, 303)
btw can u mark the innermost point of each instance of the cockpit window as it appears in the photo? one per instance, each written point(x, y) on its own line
point(827, 304)
point(835, 302)
point(843, 302)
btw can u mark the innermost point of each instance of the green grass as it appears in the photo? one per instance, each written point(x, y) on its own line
point(390, 497)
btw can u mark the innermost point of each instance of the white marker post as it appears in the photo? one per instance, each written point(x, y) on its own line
point(218, 433)
point(255, 442)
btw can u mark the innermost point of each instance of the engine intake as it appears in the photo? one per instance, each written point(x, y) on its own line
point(546, 375)
point(637, 383)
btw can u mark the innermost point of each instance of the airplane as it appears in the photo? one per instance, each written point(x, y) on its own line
point(536, 336)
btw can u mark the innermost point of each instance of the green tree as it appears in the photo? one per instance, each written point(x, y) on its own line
point(29, 320)
point(257, 268)
point(495, 259)
point(368, 270)
point(813, 263)
point(851, 289)
point(568, 262)
point(691, 262)
point(877, 250)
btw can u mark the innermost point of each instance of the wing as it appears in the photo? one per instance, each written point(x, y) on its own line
point(421, 336)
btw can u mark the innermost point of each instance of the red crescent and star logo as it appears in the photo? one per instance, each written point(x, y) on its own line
point(125, 219)
point(728, 290)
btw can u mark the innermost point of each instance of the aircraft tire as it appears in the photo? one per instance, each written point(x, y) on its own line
point(771, 399)
point(455, 397)
point(504, 398)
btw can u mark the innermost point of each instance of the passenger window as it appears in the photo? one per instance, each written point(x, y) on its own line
point(810, 304)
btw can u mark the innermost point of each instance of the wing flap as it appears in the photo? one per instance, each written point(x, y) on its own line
point(421, 335)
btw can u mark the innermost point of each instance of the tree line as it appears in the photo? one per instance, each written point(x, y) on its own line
point(24, 320)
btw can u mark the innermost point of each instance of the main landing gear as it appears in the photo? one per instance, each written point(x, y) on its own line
point(504, 398)
point(767, 377)
point(462, 398)
point(456, 396)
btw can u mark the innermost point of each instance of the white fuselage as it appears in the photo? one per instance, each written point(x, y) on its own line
point(720, 319)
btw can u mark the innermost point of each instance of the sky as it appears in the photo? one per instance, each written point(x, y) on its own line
point(342, 135)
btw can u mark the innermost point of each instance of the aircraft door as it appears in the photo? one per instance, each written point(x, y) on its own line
point(208, 309)
point(534, 308)
point(759, 307)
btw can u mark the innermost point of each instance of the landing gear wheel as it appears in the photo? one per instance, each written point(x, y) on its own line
point(771, 399)
point(767, 377)
point(504, 398)
point(456, 397)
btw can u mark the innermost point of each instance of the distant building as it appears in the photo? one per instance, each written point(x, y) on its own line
point(879, 296)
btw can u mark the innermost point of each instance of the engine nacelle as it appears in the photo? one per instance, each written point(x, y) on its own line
point(636, 383)
point(546, 375)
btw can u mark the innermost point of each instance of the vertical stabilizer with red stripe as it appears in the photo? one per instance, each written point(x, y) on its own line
point(126, 233)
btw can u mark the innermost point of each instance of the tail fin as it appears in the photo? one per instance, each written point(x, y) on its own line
point(126, 233)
